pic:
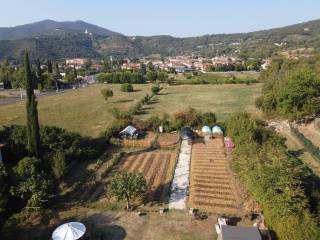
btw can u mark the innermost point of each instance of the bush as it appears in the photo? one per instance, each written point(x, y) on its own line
point(107, 93)
point(126, 87)
point(192, 118)
point(155, 89)
point(53, 140)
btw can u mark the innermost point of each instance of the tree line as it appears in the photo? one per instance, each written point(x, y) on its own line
point(287, 190)
point(291, 89)
point(36, 158)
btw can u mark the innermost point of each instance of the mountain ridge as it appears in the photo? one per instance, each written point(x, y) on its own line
point(51, 28)
point(68, 44)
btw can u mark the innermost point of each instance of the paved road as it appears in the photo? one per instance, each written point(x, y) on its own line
point(14, 96)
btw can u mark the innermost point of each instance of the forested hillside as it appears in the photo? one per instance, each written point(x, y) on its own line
point(259, 44)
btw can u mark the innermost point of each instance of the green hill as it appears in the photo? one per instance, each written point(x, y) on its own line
point(74, 43)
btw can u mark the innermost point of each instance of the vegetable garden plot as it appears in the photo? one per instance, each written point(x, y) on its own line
point(211, 185)
point(156, 167)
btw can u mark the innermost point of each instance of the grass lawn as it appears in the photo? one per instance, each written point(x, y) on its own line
point(222, 99)
point(83, 110)
point(126, 225)
point(86, 112)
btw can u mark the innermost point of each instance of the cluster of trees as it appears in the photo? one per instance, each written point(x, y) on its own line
point(286, 189)
point(205, 78)
point(114, 74)
point(228, 67)
point(121, 77)
point(36, 158)
point(14, 77)
point(291, 89)
point(253, 64)
point(58, 150)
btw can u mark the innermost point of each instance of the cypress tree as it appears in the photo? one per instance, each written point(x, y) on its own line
point(49, 65)
point(32, 112)
point(57, 75)
point(39, 73)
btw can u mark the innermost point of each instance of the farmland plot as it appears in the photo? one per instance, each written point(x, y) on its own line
point(211, 184)
point(156, 167)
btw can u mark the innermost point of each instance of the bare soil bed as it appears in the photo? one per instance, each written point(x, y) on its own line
point(156, 167)
point(212, 186)
point(168, 139)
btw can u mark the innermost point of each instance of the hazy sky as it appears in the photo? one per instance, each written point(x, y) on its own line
point(173, 17)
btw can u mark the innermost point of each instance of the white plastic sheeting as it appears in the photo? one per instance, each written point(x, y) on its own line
point(180, 183)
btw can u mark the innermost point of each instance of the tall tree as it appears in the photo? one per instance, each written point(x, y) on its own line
point(32, 112)
point(39, 74)
point(49, 65)
point(142, 69)
point(57, 75)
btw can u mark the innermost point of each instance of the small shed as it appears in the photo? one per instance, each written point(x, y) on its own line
point(129, 132)
point(239, 233)
point(206, 130)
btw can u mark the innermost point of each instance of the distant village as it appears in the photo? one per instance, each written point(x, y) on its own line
point(179, 64)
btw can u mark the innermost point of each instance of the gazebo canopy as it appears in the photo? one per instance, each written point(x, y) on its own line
point(206, 129)
point(69, 231)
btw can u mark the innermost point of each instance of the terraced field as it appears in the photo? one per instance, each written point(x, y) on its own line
point(156, 167)
point(211, 184)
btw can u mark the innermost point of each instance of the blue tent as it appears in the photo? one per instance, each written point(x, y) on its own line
point(206, 129)
point(217, 129)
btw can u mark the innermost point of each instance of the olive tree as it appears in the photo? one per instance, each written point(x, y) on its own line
point(127, 186)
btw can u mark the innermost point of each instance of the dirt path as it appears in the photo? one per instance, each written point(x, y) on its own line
point(294, 144)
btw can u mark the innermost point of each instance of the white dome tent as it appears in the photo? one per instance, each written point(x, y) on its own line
point(206, 130)
point(69, 231)
point(217, 130)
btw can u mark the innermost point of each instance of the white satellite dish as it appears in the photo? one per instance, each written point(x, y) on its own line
point(69, 231)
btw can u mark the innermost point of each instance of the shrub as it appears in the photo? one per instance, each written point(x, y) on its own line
point(107, 93)
point(126, 87)
point(156, 89)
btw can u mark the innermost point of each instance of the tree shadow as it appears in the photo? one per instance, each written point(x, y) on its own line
point(103, 227)
point(296, 153)
point(123, 101)
point(153, 101)
point(159, 196)
point(165, 94)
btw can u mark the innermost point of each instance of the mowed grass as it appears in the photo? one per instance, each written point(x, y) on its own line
point(222, 99)
point(84, 110)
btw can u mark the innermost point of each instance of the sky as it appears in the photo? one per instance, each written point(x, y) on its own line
point(178, 18)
